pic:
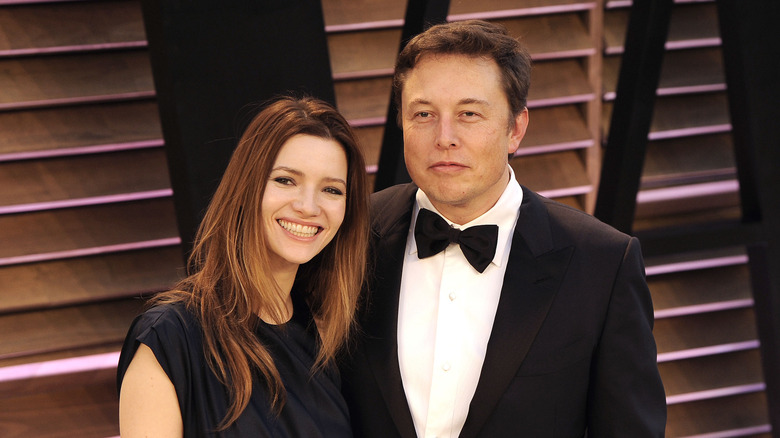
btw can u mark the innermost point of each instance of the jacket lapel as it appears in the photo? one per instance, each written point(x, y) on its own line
point(392, 218)
point(533, 276)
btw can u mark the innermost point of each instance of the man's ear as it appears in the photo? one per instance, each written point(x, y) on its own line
point(517, 131)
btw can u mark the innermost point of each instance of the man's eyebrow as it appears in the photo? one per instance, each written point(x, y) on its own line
point(473, 100)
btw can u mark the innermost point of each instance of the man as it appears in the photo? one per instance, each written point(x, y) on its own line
point(550, 334)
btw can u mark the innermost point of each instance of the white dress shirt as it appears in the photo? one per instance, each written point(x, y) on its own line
point(445, 316)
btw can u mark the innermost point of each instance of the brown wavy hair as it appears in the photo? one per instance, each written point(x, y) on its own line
point(229, 281)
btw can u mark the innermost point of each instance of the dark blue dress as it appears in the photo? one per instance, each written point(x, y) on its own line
point(314, 406)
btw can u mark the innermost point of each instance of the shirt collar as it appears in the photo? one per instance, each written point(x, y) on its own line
point(504, 214)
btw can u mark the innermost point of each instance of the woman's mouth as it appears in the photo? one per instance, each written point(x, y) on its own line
point(298, 229)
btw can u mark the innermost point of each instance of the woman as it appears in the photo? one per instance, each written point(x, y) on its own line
point(244, 346)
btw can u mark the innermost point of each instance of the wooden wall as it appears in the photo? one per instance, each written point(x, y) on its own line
point(88, 225)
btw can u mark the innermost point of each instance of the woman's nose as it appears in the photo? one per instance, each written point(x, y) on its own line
point(307, 203)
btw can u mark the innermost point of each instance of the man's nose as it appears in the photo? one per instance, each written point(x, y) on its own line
point(446, 135)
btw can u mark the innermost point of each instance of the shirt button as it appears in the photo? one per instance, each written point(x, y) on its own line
point(446, 366)
point(452, 296)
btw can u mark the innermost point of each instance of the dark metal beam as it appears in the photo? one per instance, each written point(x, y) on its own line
point(420, 15)
point(751, 49)
point(211, 61)
point(632, 112)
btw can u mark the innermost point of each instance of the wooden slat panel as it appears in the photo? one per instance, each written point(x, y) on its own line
point(691, 25)
point(689, 160)
point(373, 52)
point(89, 410)
point(345, 12)
point(68, 25)
point(71, 281)
point(711, 372)
point(555, 128)
point(717, 415)
point(30, 82)
point(84, 176)
point(676, 116)
point(689, 113)
point(555, 82)
point(699, 287)
point(526, 7)
point(111, 124)
point(554, 175)
point(87, 227)
point(32, 357)
point(705, 330)
point(688, 211)
point(370, 138)
point(367, 52)
point(67, 328)
point(544, 38)
point(682, 71)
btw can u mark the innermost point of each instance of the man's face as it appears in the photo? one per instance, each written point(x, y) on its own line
point(457, 133)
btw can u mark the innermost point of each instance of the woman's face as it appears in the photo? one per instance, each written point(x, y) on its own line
point(305, 199)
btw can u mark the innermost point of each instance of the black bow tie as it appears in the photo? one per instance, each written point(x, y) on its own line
point(433, 234)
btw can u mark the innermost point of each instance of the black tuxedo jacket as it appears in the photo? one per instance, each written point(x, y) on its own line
point(571, 350)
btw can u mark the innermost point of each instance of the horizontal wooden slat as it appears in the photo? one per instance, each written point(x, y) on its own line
point(555, 128)
point(31, 358)
point(372, 52)
point(350, 12)
point(69, 130)
point(66, 282)
point(689, 160)
point(103, 323)
point(69, 26)
point(370, 138)
point(555, 83)
point(84, 229)
point(39, 183)
point(544, 38)
point(461, 9)
point(553, 175)
point(718, 416)
point(86, 410)
point(92, 77)
point(699, 210)
point(691, 25)
point(679, 116)
point(683, 71)
point(704, 287)
point(710, 373)
point(705, 330)
point(363, 53)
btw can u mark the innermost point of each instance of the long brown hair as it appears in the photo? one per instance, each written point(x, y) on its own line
point(229, 279)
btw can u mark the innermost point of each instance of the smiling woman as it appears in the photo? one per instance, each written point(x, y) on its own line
point(245, 344)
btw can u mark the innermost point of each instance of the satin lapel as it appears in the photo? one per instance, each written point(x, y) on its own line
point(381, 347)
point(533, 276)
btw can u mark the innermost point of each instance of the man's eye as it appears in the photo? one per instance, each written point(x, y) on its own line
point(423, 114)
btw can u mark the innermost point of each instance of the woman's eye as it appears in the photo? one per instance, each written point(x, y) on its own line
point(283, 180)
point(334, 191)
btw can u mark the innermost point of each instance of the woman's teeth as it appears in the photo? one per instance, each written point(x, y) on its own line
point(298, 229)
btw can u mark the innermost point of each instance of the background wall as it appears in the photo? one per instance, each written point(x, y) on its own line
point(92, 221)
